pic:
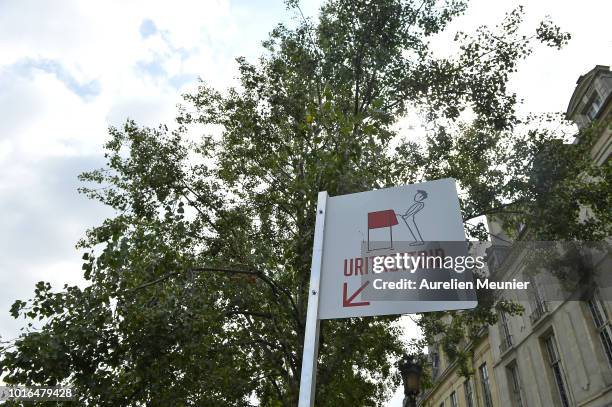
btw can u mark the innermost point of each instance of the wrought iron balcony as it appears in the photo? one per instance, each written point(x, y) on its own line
point(540, 310)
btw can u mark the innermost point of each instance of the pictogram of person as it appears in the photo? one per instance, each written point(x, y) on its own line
point(409, 217)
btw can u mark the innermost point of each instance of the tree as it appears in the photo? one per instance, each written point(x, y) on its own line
point(198, 285)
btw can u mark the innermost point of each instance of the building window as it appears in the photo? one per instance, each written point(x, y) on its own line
point(539, 307)
point(486, 385)
point(593, 106)
point(602, 323)
point(435, 365)
point(442, 404)
point(469, 394)
point(554, 361)
point(453, 399)
point(515, 385)
point(506, 336)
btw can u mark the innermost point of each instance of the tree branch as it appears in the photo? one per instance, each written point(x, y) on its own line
point(275, 287)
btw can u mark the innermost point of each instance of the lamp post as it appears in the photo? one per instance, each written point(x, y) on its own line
point(411, 370)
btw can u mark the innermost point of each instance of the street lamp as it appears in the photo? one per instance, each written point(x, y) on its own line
point(410, 370)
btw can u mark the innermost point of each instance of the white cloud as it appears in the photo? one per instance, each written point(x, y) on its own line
point(68, 70)
point(47, 118)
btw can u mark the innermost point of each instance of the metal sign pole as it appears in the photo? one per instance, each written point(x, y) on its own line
point(308, 377)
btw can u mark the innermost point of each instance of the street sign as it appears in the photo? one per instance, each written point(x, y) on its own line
point(385, 221)
point(353, 231)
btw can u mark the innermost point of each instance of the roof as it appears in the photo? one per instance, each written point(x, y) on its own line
point(582, 85)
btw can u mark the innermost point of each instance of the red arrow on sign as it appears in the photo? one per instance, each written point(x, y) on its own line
point(349, 302)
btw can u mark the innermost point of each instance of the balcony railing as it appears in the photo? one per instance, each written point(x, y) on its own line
point(540, 310)
point(506, 343)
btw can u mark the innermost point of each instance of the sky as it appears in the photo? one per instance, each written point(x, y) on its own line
point(69, 69)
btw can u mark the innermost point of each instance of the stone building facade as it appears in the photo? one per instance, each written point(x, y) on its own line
point(452, 389)
point(557, 353)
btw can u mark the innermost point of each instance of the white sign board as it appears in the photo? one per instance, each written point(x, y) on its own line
point(375, 221)
point(351, 231)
